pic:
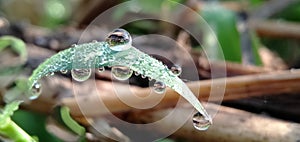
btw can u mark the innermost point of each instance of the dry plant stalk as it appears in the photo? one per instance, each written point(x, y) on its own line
point(276, 29)
point(230, 125)
point(235, 88)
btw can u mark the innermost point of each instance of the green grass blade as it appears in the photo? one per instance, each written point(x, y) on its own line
point(98, 54)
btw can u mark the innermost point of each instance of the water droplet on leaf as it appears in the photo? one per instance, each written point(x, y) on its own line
point(64, 71)
point(159, 87)
point(136, 73)
point(200, 122)
point(176, 69)
point(36, 90)
point(101, 69)
point(81, 75)
point(121, 72)
point(143, 76)
point(50, 74)
point(119, 40)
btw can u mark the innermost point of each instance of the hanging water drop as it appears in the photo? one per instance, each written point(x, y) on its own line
point(64, 71)
point(101, 69)
point(119, 40)
point(81, 75)
point(121, 72)
point(36, 90)
point(200, 122)
point(176, 69)
point(159, 87)
point(143, 76)
point(136, 73)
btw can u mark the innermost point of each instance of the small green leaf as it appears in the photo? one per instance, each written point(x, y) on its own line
point(16, 44)
point(8, 111)
point(9, 128)
point(62, 115)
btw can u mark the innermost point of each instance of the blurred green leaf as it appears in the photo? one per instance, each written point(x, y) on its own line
point(256, 2)
point(34, 124)
point(56, 12)
point(223, 23)
point(291, 13)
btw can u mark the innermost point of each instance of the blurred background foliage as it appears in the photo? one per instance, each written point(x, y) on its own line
point(56, 14)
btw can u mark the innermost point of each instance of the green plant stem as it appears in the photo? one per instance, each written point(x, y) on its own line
point(14, 132)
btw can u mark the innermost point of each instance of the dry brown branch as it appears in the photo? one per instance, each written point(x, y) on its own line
point(232, 69)
point(276, 29)
point(230, 125)
point(271, 60)
point(270, 8)
point(236, 88)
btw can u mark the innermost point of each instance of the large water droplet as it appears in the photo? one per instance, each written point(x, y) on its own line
point(119, 40)
point(176, 69)
point(159, 87)
point(101, 69)
point(64, 71)
point(200, 122)
point(81, 74)
point(36, 90)
point(121, 72)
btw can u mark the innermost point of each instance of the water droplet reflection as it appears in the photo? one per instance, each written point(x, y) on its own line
point(121, 72)
point(159, 87)
point(36, 90)
point(200, 122)
point(81, 75)
point(119, 40)
point(176, 69)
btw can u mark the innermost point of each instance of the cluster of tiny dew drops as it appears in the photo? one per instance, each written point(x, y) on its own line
point(120, 40)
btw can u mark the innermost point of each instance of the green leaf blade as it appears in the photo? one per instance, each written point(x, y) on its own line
point(98, 54)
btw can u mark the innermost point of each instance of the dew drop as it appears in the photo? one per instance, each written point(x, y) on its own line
point(159, 87)
point(121, 72)
point(143, 76)
point(101, 69)
point(200, 122)
point(176, 69)
point(64, 71)
point(36, 90)
point(50, 74)
point(136, 73)
point(81, 75)
point(119, 40)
